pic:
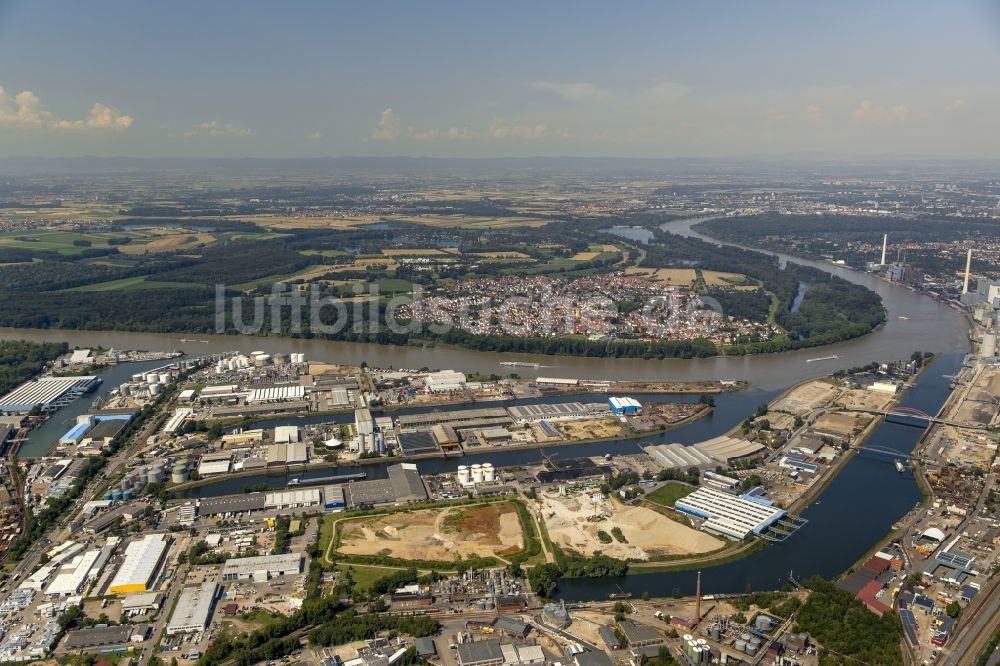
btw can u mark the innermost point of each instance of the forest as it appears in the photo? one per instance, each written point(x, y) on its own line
point(21, 360)
point(847, 630)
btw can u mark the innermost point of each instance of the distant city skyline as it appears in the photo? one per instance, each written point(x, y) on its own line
point(451, 79)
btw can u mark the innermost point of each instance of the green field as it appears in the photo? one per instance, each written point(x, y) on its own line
point(137, 282)
point(670, 493)
point(57, 241)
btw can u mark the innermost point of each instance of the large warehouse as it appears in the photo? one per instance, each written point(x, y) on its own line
point(262, 567)
point(142, 558)
point(728, 515)
point(194, 609)
point(47, 392)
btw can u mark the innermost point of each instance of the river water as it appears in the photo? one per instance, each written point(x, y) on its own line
point(857, 509)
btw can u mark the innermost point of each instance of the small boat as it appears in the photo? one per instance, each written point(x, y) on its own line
point(620, 595)
point(294, 482)
point(899, 466)
point(904, 317)
point(822, 358)
point(519, 364)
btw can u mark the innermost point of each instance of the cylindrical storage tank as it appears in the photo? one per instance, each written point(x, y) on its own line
point(127, 494)
point(154, 389)
point(740, 646)
point(116, 495)
point(128, 482)
point(477, 473)
point(154, 476)
point(138, 377)
point(714, 633)
point(165, 378)
point(464, 475)
point(745, 637)
point(125, 390)
point(261, 361)
point(179, 475)
point(688, 637)
point(108, 495)
point(489, 474)
point(753, 645)
point(151, 377)
point(281, 359)
point(333, 443)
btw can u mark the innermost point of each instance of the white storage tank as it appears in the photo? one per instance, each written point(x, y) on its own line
point(489, 474)
point(477, 473)
point(154, 389)
point(989, 346)
point(164, 378)
point(152, 377)
point(464, 475)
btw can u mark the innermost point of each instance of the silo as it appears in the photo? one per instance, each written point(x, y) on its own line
point(489, 474)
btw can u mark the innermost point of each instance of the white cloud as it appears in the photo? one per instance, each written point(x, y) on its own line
point(957, 105)
point(868, 111)
point(422, 135)
point(388, 127)
point(213, 128)
point(574, 92)
point(499, 129)
point(24, 110)
point(456, 133)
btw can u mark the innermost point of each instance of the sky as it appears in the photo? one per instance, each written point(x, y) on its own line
point(473, 79)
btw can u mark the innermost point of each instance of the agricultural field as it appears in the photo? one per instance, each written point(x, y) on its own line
point(577, 522)
point(720, 279)
point(308, 221)
point(682, 277)
point(436, 534)
point(136, 282)
point(168, 240)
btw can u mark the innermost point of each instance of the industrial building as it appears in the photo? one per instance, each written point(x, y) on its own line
point(334, 498)
point(558, 410)
point(678, 456)
point(276, 394)
point(180, 415)
point(287, 434)
point(48, 392)
point(243, 437)
point(104, 637)
point(417, 443)
point(456, 418)
point(726, 450)
point(372, 492)
point(193, 609)
point(623, 405)
point(407, 486)
point(231, 505)
point(215, 463)
point(295, 453)
point(263, 567)
point(364, 424)
point(142, 559)
point(480, 653)
point(729, 515)
point(444, 381)
point(74, 575)
point(640, 635)
point(142, 603)
point(293, 499)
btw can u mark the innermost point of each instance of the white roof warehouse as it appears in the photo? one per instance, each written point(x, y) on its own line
point(194, 609)
point(262, 567)
point(728, 515)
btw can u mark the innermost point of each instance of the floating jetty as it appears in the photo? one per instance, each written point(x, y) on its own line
point(337, 478)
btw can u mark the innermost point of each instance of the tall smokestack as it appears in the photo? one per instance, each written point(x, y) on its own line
point(697, 600)
point(968, 269)
point(885, 245)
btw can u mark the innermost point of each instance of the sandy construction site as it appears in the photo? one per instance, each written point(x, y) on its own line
point(431, 534)
point(573, 522)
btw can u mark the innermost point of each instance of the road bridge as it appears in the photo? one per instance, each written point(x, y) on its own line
point(916, 414)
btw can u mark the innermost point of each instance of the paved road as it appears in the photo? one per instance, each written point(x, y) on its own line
point(981, 620)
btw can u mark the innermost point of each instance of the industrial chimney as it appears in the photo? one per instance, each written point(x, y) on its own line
point(697, 600)
point(968, 269)
point(885, 245)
